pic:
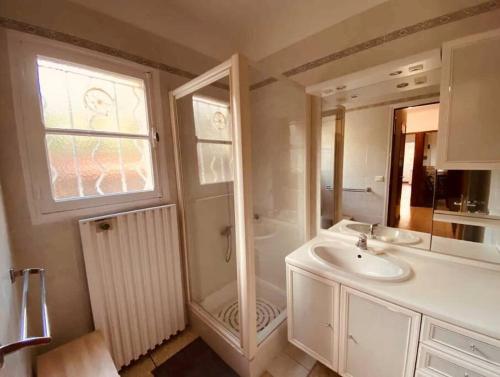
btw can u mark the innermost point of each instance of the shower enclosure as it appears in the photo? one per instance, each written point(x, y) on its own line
point(240, 147)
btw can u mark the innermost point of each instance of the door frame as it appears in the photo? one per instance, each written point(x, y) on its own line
point(236, 69)
point(392, 109)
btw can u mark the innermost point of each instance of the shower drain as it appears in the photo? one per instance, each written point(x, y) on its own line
point(266, 312)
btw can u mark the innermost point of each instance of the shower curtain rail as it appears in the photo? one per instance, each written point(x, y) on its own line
point(24, 339)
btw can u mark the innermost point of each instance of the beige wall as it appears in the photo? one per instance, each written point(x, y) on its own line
point(279, 127)
point(378, 21)
point(17, 364)
point(366, 150)
point(56, 246)
point(422, 118)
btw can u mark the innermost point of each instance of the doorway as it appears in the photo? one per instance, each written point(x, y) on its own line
point(413, 167)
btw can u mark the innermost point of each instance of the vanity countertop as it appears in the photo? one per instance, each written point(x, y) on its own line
point(458, 293)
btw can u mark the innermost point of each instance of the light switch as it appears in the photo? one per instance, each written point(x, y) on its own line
point(379, 178)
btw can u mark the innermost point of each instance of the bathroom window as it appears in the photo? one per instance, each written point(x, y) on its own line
point(212, 120)
point(88, 128)
point(96, 129)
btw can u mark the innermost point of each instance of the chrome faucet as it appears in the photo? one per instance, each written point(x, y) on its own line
point(372, 229)
point(362, 242)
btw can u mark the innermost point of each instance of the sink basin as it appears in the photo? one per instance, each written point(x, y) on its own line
point(382, 233)
point(348, 258)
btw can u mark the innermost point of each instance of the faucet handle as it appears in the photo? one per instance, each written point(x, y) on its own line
point(362, 242)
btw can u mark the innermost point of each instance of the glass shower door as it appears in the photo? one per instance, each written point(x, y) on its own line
point(206, 159)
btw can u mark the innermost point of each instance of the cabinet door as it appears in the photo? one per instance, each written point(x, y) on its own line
point(377, 338)
point(313, 312)
point(469, 120)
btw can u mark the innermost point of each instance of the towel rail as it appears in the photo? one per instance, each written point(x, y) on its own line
point(366, 189)
point(24, 339)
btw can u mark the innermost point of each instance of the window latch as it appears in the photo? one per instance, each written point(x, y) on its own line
point(155, 136)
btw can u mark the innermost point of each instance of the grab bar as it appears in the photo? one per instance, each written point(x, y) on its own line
point(367, 189)
point(24, 339)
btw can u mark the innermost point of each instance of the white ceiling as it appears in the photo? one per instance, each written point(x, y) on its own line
point(382, 82)
point(218, 28)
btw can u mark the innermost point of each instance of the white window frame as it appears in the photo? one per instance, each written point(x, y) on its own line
point(23, 52)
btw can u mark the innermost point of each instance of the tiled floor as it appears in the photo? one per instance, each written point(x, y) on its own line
point(145, 365)
point(295, 363)
point(290, 363)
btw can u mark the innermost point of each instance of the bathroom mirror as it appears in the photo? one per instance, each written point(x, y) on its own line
point(378, 150)
point(377, 162)
point(467, 209)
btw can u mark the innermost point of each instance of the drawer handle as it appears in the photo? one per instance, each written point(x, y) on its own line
point(352, 338)
point(475, 349)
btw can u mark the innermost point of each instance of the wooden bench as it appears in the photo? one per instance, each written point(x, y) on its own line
point(87, 356)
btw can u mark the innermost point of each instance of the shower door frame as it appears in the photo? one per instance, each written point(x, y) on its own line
point(237, 69)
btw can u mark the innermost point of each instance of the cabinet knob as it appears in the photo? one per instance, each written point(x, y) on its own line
point(473, 348)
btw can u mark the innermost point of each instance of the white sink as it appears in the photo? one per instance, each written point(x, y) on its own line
point(386, 234)
point(348, 258)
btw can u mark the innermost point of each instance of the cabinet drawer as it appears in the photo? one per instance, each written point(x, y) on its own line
point(438, 334)
point(443, 364)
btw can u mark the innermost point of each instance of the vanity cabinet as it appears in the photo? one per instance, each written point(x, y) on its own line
point(377, 338)
point(469, 117)
point(359, 335)
point(313, 312)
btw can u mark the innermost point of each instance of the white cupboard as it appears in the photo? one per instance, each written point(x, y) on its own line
point(313, 312)
point(469, 116)
point(377, 338)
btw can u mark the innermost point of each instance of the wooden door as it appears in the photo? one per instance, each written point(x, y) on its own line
point(397, 161)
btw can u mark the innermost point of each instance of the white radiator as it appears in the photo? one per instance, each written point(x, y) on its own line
point(134, 276)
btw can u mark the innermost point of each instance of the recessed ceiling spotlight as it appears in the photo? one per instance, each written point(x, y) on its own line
point(341, 87)
point(402, 85)
point(414, 68)
point(395, 73)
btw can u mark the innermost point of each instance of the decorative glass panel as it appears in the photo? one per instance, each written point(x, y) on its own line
point(89, 166)
point(211, 119)
point(215, 162)
point(78, 98)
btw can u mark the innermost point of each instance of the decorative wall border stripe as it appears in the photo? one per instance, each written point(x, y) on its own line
point(331, 112)
point(262, 83)
point(94, 46)
point(461, 14)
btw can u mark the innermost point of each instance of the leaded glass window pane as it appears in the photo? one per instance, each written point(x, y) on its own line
point(96, 131)
point(87, 166)
point(83, 99)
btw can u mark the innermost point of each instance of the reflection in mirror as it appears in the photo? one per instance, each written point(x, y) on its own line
point(467, 209)
point(378, 150)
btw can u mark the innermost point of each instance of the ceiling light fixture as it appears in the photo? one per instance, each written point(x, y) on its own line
point(402, 85)
point(414, 68)
point(395, 73)
point(341, 87)
point(354, 96)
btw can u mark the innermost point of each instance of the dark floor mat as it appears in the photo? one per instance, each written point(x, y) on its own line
point(195, 360)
